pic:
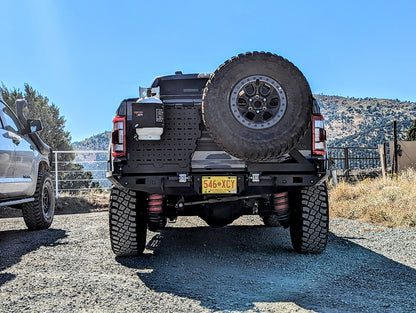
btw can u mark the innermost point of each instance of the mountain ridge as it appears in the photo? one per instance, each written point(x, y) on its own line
point(365, 121)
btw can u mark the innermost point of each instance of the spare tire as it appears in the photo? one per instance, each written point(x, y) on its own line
point(257, 106)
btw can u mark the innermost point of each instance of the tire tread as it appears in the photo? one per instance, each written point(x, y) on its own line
point(265, 149)
point(309, 231)
point(127, 230)
point(33, 211)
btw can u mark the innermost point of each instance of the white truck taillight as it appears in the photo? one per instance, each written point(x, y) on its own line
point(318, 135)
point(118, 136)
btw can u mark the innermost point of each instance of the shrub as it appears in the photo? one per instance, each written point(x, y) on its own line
point(384, 201)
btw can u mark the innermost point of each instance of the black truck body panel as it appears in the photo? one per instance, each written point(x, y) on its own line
point(155, 166)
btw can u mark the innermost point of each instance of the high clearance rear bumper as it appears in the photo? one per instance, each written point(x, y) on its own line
point(247, 183)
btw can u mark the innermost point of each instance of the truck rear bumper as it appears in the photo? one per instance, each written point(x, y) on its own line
point(247, 184)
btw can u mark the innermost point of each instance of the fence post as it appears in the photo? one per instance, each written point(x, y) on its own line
point(334, 177)
point(395, 166)
point(346, 163)
point(383, 158)
point(56, 175)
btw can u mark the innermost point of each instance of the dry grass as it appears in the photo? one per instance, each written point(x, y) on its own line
point(85, 202)
point(90, 201)
point(383, 201)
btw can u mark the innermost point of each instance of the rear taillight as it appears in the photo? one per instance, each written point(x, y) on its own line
point(118, 136)
point(319, 135)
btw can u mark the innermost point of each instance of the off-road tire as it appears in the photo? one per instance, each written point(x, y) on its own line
point(39, 213)
point(271, 220)
point(310, 220)
point(259, 139)
point(128, 222)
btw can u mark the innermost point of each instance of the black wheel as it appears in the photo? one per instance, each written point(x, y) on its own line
point(39, 213)
point(257, 106)
point(271, 220)
point(128, 223)
point(310, 220)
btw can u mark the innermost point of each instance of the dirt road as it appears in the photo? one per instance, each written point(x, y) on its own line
point(190, 267)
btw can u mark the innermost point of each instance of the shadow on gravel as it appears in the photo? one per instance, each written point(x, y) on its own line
point(242, 268)
point(14, 244)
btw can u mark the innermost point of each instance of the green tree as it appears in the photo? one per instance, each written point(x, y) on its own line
point(38, 107)
point(74, 178)
point(71, 175)
point(411, 132)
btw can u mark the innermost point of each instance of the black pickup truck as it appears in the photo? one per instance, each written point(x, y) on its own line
point(247, 139)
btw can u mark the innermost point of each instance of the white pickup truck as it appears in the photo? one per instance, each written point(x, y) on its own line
point(25, 182)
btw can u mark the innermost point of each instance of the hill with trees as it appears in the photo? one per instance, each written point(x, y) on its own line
point(365, 122)
point(96, 142)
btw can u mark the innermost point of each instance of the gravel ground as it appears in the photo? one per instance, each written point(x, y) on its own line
point(190, 267)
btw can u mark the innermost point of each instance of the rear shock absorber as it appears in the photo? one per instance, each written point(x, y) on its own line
point(281, 208)
point(156, 220)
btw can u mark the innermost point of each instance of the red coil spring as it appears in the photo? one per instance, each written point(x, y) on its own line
point(280, 201)
point(155, 203)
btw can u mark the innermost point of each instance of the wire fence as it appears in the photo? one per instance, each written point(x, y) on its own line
point(77, 171)
point(357, 163)
point(354, 158)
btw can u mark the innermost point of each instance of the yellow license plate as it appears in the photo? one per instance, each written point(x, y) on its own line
point(219, 184)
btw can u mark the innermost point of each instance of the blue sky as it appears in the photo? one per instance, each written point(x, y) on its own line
point(86, 56)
